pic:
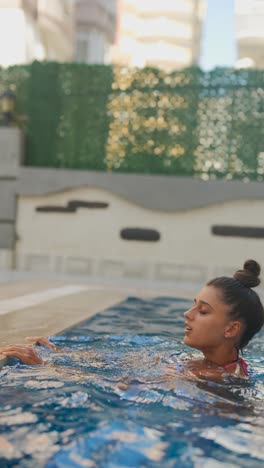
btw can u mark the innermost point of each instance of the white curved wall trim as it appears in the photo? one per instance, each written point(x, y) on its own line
point(154, 192)
point(88, 241)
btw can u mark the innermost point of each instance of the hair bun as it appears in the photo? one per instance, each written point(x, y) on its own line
point(249, 276)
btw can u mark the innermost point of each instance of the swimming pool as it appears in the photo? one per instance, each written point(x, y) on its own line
point(109, 398)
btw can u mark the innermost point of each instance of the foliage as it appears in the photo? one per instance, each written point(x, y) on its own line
point(189, 122)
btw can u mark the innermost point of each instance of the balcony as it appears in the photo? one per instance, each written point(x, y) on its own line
point(165, 28)
point(166, 6)
point(56, 23)
point(248, 27)
point(160, 51)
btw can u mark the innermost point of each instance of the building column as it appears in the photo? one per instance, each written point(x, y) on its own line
point(10, 160)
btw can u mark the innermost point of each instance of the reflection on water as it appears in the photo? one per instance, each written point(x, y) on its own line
point(114, 396)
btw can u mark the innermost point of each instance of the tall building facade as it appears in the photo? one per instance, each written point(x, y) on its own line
point(249, 30)
point(60, 30)
point(159, 33)
point(95, 26)
point(56, 27)
point(36, 30)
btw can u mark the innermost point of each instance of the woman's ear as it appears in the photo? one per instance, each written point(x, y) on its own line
point(233, 329)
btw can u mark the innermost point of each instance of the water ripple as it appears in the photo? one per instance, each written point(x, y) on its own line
point(116, 393)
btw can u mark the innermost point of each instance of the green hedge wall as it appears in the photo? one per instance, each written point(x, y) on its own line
point(188, 122)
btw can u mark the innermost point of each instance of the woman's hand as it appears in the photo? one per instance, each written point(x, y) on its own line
point(40, 340)
point(25, 353)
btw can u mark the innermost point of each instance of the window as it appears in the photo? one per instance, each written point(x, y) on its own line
point(82, 50)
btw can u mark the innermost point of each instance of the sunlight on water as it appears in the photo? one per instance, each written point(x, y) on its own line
point(115, 394)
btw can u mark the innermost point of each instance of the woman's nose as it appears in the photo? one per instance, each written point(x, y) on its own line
point(189, 313)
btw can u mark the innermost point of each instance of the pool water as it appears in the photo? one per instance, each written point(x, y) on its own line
point(110, 397)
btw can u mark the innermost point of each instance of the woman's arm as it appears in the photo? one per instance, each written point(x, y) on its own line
point(40, 340)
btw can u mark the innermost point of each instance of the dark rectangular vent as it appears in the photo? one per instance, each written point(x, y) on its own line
point(238, 231)
point(55, 209)
point(139, 234)
point(87, 204)
point(72, 206)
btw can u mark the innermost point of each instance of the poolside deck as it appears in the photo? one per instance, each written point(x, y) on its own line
point(31, 305)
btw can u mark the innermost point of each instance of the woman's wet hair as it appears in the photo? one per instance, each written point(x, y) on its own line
point(245, 304)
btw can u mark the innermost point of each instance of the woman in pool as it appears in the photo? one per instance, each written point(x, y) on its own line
point(225, 315)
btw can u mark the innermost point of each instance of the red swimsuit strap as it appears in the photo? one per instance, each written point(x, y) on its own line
point(243, 364)
point(239, 361)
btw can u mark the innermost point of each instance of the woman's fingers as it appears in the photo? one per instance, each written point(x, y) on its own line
point(25, 353)
point(40, 340)
point(15, 347)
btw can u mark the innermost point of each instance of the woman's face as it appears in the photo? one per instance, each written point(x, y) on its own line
point(207, 322)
